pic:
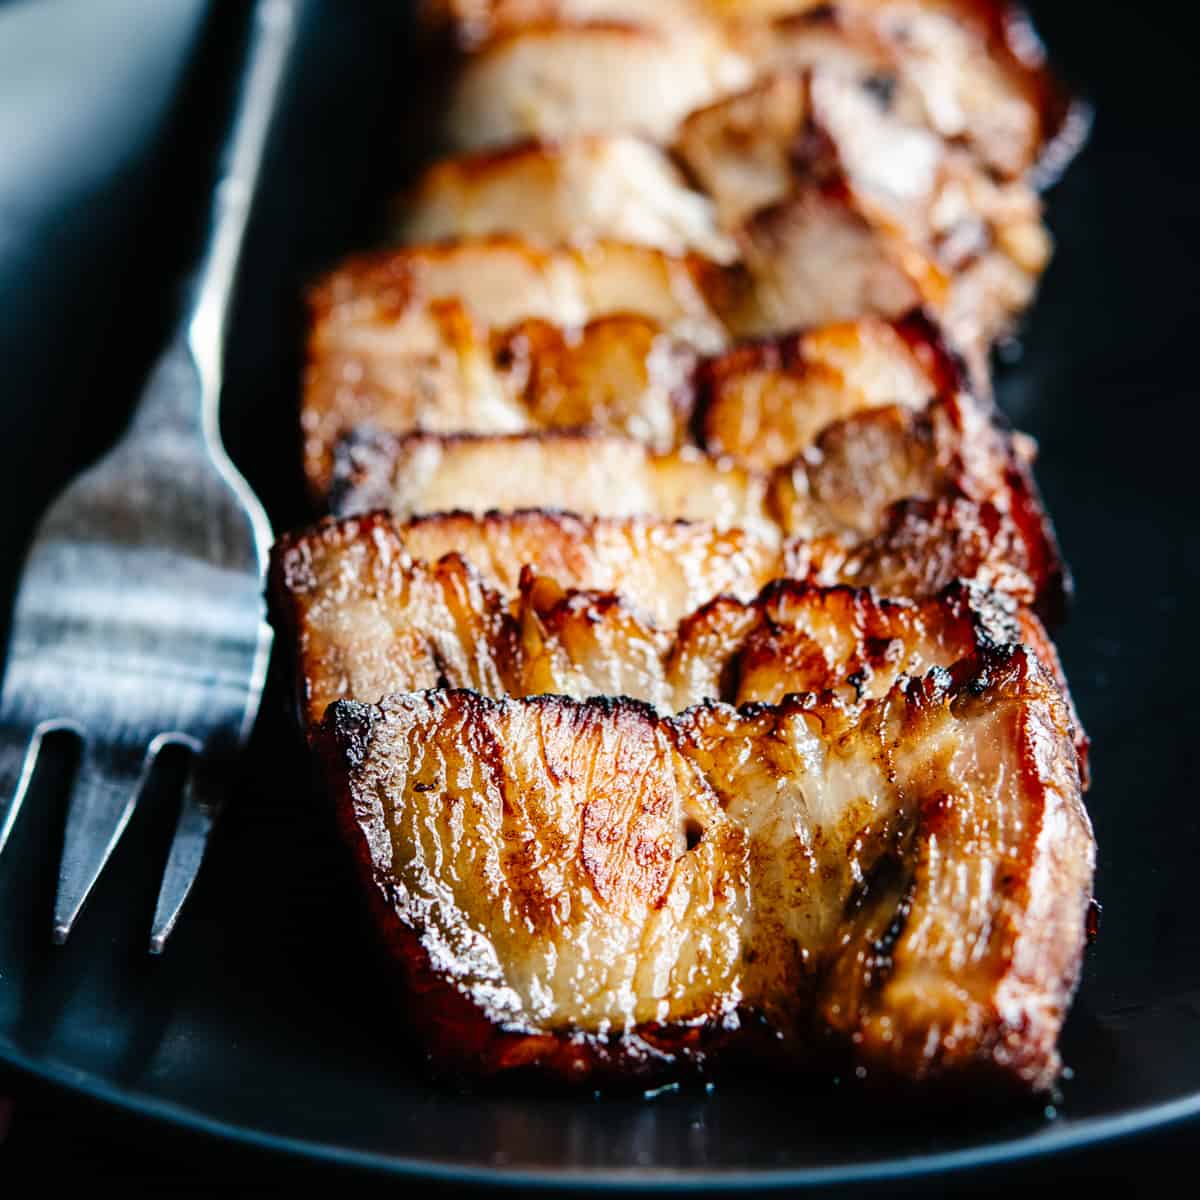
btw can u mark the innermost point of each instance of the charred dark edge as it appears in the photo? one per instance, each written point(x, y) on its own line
point(1056, 584)
point(1029, 515)
point(364, 464)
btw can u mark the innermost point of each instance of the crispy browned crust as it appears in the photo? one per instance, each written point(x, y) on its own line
point(1007, 875)
point(364, 619)
point(906, 501)
point(391, 346)
point(1003, 26)
point(804, 366)
point(667, 569)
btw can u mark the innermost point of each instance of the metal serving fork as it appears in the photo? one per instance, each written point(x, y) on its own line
point(139, 620)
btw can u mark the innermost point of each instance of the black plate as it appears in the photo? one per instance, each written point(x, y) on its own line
point(267, 1020)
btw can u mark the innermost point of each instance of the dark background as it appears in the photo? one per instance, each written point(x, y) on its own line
point(109, 111)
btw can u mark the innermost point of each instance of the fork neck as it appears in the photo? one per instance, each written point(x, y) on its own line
point(199, 341)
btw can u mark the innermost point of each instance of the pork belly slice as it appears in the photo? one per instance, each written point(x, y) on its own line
point(580, 189)
point(844, 207)
point(664, 569)
point(582, 473)
point(609, 339)
point(553, 80)
point(764, 403)
point(845, 502)
point(974, 69)
point(593, 893)
point(365, 619)
point(494, 334)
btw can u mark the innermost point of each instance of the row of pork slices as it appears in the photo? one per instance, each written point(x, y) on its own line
point(675, 650)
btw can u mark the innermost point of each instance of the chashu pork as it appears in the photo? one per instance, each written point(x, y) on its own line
point(580, 189)
point(665, 569)
point(886, 495)
point(592, 892)
point(366, 619)
point(497, 335)
point(843, 206)
point(582, 473)
point(973, 69)
point(764, 403)
point(837, 203)
point(552, 80)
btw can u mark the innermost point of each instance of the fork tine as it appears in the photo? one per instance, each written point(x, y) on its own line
point(103, 798)
point(19, 749)
point(197, 815)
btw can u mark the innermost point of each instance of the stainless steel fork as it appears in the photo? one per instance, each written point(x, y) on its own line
point(139, 619)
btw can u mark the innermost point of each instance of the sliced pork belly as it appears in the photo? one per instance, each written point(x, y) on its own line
point(595, 893)
point(973, 69)
point(366, 618)
point(580, 189)
point(845, 499)
point(845, 207)
point(665, 569)
point(497, 335)
point(765, 403)
point(581, 473)
point(553, 80)
point(375, 362)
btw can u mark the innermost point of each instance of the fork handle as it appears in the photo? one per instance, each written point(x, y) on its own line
point(199, 341)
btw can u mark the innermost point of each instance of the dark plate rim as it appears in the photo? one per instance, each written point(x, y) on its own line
point(1078, 1135)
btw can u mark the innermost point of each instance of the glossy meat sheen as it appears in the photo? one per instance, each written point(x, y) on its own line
point(593, 892)
point(494, 334)
point(975, 67)
point(844, 499)
point(581, 189)
point(766, 402)
point(430, 339)
point(847, 206)
point(665, 569)
point(581, 473)
point(365, 619)
point(555, 80)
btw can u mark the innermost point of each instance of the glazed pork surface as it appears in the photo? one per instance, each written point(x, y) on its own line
point(586, 188)
point(665, 569)
point(843, 207)
point(497, 334)
point(883, 496)
point(367, 618)
point(674, 655)
point(974, 68)
point(594, 892)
